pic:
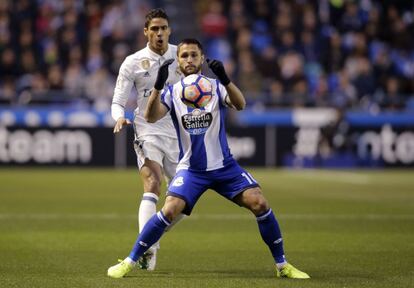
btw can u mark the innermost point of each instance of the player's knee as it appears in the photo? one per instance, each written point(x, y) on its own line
point(173, 206)
point(259, 205)
point(170, 213)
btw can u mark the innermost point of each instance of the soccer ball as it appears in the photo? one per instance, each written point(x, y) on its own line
point(196, 91)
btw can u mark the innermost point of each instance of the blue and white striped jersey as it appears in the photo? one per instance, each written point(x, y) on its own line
point(201, 132)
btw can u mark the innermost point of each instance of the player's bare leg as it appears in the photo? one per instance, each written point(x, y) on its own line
point(151, 175)
point(172, 208)
point(254, 200)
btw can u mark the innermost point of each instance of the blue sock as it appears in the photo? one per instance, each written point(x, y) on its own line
point(271, 235)
point(151, 233)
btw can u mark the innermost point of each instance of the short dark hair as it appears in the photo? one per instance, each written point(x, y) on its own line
point(190, 41)
point(155, 13)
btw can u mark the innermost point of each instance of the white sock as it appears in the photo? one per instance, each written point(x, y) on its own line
point(147, 209)
point(280, 265)
point(130, 261)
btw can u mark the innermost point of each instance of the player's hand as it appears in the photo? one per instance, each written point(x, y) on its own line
point(120, 123)
point(218, 68)
point(162, 75)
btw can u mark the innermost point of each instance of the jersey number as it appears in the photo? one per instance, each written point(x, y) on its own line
point(249, 178)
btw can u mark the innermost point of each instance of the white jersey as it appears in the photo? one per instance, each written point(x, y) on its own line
point(140, 70)
point(201, 132)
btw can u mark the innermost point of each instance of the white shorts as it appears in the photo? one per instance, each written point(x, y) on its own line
point(161, 149)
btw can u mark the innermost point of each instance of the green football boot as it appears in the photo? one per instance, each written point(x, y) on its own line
point(288, 271)
point(120, 270)
point(148, 260)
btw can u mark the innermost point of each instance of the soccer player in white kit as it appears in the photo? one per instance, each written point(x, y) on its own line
point(205, 160)
point(155, 143)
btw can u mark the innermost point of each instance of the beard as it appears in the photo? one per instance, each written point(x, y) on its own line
point(191, 70)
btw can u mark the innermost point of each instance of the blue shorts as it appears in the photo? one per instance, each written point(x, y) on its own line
point(228, 181)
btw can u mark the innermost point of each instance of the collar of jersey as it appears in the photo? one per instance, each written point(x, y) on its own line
point(165, 56)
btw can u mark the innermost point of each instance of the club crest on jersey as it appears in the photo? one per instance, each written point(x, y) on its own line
point(145, 64)
point(147, 93)
point(197, 121)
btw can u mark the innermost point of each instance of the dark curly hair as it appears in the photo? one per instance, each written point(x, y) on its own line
point(155, 13)
point(190, 41)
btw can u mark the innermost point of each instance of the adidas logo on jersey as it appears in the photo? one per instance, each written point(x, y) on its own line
point(178, 182)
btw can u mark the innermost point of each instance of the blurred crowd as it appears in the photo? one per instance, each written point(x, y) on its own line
point(67, 50)
point(337, 53)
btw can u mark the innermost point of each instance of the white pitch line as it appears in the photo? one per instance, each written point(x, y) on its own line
point(374, 217)
point(307, 217)
point(331, 176)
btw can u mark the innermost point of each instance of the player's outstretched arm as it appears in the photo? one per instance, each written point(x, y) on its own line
point(155, 111)
point(235, 95)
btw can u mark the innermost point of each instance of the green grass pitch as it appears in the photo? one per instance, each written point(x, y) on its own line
point(65, 227)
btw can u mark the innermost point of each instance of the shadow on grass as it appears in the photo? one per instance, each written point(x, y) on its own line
point(208, 274)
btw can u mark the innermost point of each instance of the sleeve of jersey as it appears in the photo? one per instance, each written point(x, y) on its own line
point(166, 97)
point(222, 93)
point(122, 90)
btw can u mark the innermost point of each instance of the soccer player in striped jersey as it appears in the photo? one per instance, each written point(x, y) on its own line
point(155, 144)
point(205, 160)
